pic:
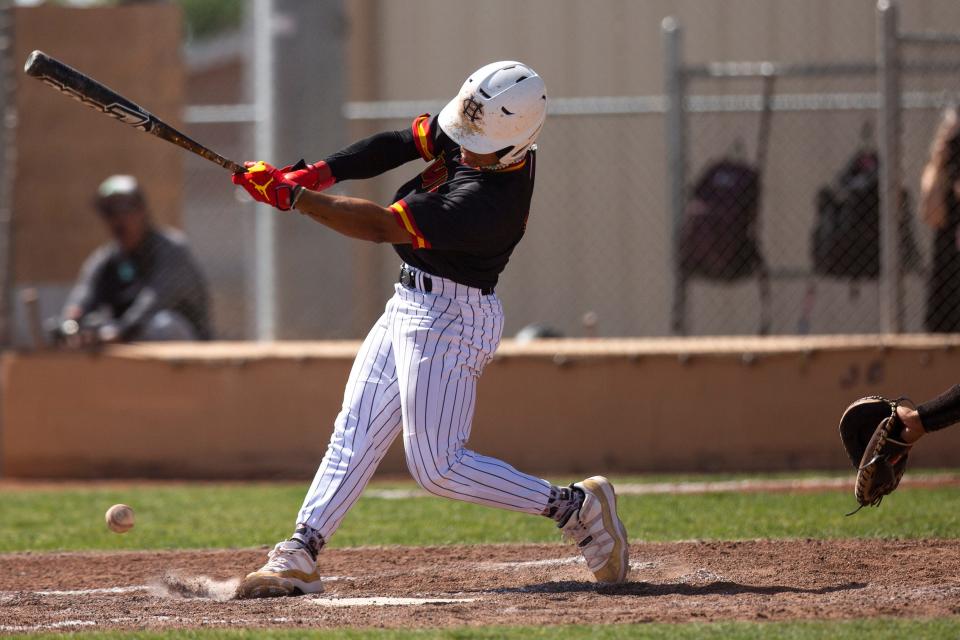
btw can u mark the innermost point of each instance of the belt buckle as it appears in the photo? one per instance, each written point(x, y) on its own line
point(407, 278)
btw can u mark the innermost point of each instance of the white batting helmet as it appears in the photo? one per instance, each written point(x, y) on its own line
point(500, 109)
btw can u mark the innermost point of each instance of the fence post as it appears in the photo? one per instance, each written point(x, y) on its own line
point(265, 279)
point(888, 69)
point(7, 131)
point(674, 82)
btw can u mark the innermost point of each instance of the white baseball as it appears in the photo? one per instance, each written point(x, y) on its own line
point(120, 518)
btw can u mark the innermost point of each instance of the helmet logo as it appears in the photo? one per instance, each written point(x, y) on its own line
point(472, 109)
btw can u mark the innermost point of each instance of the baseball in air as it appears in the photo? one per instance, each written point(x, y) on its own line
point(119, 518)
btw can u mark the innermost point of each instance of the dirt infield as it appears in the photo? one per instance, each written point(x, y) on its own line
point(483, 585)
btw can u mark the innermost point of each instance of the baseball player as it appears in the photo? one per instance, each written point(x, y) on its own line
point(878, 435)
point(144, 285)
point(454, 226)
point(940, 210)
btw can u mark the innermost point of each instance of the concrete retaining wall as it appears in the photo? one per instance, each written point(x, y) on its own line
point(226, 410)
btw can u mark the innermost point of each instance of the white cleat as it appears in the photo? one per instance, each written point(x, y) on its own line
point(290, 571)
point(598, 531)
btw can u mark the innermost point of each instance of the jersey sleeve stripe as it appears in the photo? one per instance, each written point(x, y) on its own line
point(422, 137)
point(401, 213)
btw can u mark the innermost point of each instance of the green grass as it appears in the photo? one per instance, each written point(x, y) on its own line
point(846, 630)
point(242, 515)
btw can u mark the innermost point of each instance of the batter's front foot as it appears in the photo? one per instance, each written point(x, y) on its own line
point(290, 571)
point(598, 531)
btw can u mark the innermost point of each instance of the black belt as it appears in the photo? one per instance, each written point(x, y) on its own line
point(408, 278)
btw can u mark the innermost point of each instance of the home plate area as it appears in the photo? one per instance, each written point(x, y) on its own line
point(486, 585)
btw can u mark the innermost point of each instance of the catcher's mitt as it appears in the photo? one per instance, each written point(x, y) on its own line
point(872, 435)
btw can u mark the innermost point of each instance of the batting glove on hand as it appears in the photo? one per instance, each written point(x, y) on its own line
point(316, 176)
point(267, 184)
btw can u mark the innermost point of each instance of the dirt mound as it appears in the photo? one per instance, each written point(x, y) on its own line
point(482, 585)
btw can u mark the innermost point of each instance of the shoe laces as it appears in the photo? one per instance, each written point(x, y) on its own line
point(280, 558)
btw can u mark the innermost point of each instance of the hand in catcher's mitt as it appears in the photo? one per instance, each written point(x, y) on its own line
point(872, 435)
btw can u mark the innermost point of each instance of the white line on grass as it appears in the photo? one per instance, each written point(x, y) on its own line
point(395, 494)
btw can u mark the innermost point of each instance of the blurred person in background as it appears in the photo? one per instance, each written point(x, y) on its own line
point(940, 209)
point(143, 285)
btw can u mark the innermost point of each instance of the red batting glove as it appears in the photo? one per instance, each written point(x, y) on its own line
point(267, 184)
point(316, 176)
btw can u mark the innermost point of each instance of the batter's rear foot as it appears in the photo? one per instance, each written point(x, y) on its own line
point(598, 531)
point(290, 571)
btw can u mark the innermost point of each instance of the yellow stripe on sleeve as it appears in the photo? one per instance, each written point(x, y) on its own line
point(405, 220)
point(422, 132)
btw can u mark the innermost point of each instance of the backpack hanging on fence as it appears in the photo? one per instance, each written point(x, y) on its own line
point(845, 241)
point(720, 228)
point(718, 237)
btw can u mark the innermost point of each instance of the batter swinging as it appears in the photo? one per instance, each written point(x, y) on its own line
point(454, 226)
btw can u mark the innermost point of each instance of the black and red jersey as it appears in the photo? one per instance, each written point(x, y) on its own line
point(463, 222)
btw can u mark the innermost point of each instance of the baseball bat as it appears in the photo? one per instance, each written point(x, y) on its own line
point(95, 95)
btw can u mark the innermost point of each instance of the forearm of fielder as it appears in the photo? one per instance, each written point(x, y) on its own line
point(353, 217)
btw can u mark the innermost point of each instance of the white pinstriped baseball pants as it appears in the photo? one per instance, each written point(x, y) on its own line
point(417, 372)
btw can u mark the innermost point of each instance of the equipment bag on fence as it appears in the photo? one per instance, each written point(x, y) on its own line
point(718, 236)
point(846, 237)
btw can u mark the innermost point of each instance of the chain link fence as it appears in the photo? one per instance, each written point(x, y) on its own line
point(778, 214)
point(779, 228)
point(765, 217)
point(747, 199)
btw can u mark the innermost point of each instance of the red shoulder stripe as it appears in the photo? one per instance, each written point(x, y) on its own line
point(423, 137)
point(403, 217)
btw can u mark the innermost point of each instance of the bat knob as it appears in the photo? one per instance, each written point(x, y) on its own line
point(32, 59)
